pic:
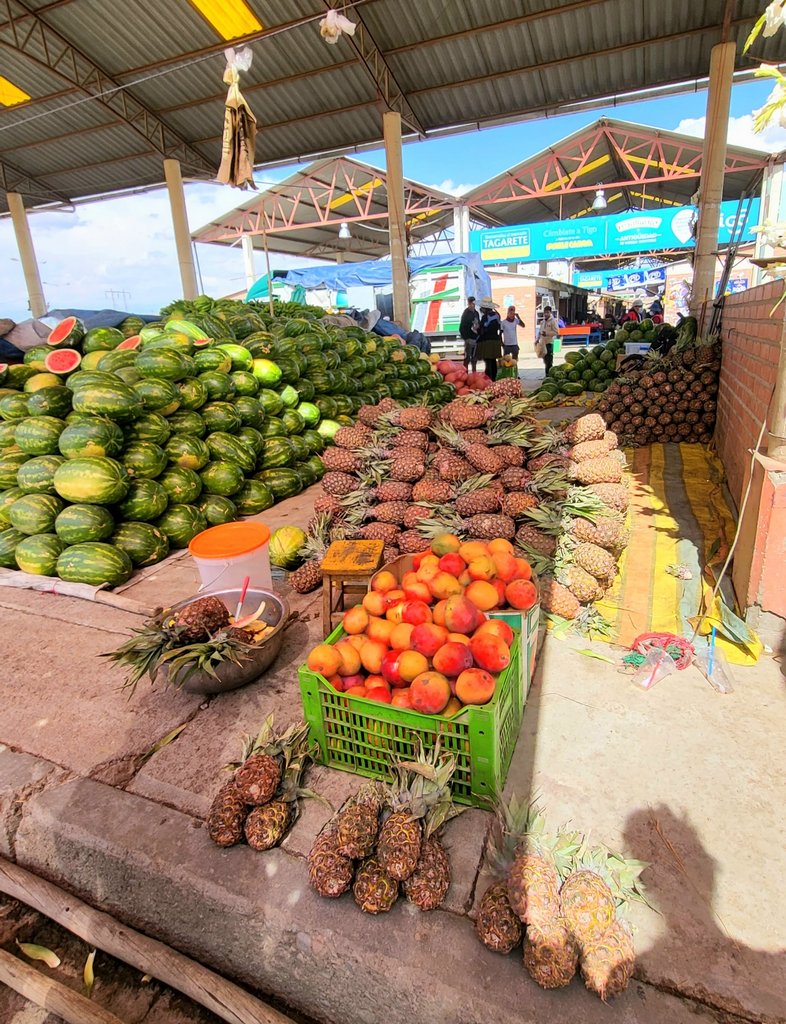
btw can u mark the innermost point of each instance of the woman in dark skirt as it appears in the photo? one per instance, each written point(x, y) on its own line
point(489, 336)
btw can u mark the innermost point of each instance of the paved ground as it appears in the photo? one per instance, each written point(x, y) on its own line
point(679, 776)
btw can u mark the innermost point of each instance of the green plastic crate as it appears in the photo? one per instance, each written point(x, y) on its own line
point(526, 623)
point(366, 737)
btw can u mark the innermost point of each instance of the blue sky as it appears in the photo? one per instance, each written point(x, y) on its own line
point(125, 245)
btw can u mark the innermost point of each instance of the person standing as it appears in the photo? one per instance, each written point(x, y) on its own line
point(635, 313)
point(468, 331)
point(547, 332)
point(489, 346)
point(510, 326)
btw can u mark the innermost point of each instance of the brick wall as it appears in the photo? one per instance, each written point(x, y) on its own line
point(752, 341)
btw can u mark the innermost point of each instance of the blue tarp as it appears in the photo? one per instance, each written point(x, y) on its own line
point(341, 276)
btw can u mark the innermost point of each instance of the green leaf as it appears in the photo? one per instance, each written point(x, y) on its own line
point(88, 974)
point(588, 653)
point(163, 742)
point(34, 952)
point(754, 32)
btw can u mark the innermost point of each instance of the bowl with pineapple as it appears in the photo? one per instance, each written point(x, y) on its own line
point(204, 645)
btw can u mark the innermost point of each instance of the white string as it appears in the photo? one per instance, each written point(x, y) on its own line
point(163, 71)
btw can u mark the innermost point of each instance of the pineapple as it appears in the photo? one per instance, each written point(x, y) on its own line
point(581, 584)
point(266, 826)
point(550, 954)
point(389, 512)
point(607, 532)
point(352, 437)
point(390, 554)
point(370, 415)
point(259, 773)
point(421, 789)
point(615, 496)
point(226, 816)
point(507, 387)
point(595, 560)
point(594, 471)
point(557, 599)
point(328, 503)
point(375, 891)
point(466, 413)
point(541, 861)
point(329, 873)
point(611, 440)
point(485, 499)
point(607, 962)
point(338, 484)
point(393, 490)
point(549, 459)
point(341, 460)
point(407, 468)
point(416, 417)
point(414, 516)
point(200, 619)
point(428, 885)
point(588, 906)
point(515, 478)
point(483, 458)
point(490, 526)
point(510, 454)
point(409, 439)
point(498, 927)
point(589, 450)
point(433, 491)
point(453, 468)
point(474, 436)
point(309, 575)
point(411, 542)
point(387, 532)
point(357, 823)
point(532, 539)
point(516, 503)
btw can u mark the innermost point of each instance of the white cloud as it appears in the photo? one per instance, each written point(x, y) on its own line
point(449, 186)
point(740, 133)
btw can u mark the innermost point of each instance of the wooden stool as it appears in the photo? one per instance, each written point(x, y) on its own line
point(347, 569)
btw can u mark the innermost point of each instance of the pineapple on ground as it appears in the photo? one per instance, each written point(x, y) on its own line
point(590, 450)
point(497, 925)
point(338, 484)
point(357, 823)
point(329, 873)
point(387, 532)
point(607, 962)
point(341, 460)
point(227, 816)
point(595, 560)
point(581, 584)
point(615, 496)
point(516, 503)
point(557, 599)
point(259, 773)
point(267, 825)
point(550, 954)
point(606, 532)
point(353, 437)
point(308, 576)
point(374, 890)
point(605, 470)
point(428, 884)
point(591, 427)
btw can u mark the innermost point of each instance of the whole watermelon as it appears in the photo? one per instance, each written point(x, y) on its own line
point(187, 421)
point(7, 498)
point(77, 524)
point(217, 509)
point(180, 524)
point(150, 427)
point(182, 486)
point(158, 395)
point(144, 459)
point(35, 513)
point(92, 481)
point(222, 478)
point(193, 393)
point(37, 475)
point(253, 497)
point(187, 451)
point(9, 540)
point(282, 483)
point(115, 401)
point(38, 554)
point(94, 564)
point(284, 546)
point(39, 435)
point(54, 401)
point(146, 500)
point(142, 542)
point(91, 437)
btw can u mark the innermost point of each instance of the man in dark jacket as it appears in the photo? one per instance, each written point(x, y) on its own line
point(468, 330)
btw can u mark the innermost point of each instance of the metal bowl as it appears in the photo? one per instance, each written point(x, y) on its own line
point(231, 676)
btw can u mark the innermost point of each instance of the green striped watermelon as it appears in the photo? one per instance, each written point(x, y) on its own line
point(144, 459)
point(7, 432)
point(68, 333)
point(251, 438)
point(11, 462)
point(77, 524)
point(306, 473)
point(309, 413)
point(212, 359)
point(13, 407)
point(101, 339)
point(284, 547)
point(187, 421)
point(272, 426)
point(317, 466)
point(315, 441)
point(290, 397)
point(17, 375)
point(38, 554)
point(7, 498)
point(278, 451)
point(170, 342)
point(241, 358)
point(193, 393)
point(9, 540)
point(93, 481)
point(39, 435)
point(188, 451)
point(46, 380)
point(116, 401)
point(266, 372)
point(186, 327)
point(89, 437)
point(221, 416)
point(87, 378)
point(94, 564)
point(112, 361)
point(271, 402)
point(253, 497)
point(150, 427)
point(180, 524)
point(217, 509)
point(142, 542)
point(37, 475)
point(183, 486)
point(145, 500)
point(129, 375)
point(227, 448)
point(283, 483)
point(158, 395)
point(244, 383)
point(250, 411)
point(168, 363)
point(223, 478)
point(299, 447)
point(35, 357)
point(54, 401)
point(35, 513)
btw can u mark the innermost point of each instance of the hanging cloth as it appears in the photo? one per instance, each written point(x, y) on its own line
point(240, 126)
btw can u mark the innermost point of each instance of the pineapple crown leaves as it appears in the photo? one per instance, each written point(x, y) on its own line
point(448, 522)
point(545, 518)
point(267, 741)
point(298, 755)
point(620, 874)
point(538, 561)
point(549, 440)
point(590, 623)
point(318, 537)
point(472, 484)
point(548, 480)
point(522, 828)
point(422, 788)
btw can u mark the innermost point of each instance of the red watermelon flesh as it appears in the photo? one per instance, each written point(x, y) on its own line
point(202, 342)
point(130, 343)
point(67, 334)
point(63, 361)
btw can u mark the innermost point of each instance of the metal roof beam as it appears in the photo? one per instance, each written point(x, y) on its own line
point(14, 179)
point(377, 67)
point(25, 32)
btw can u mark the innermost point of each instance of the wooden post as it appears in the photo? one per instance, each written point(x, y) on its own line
point(391, 126)
point(24, 243)
point(177, 204)
point(247, 241)
point(713, 168)
point(46, 992)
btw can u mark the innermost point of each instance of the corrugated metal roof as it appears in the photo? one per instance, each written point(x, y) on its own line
point(457, 63)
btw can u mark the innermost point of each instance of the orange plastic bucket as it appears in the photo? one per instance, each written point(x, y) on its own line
point(224, 555)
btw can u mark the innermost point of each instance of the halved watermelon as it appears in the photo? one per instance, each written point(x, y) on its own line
point(67, 334)
point(130, 343)
point(63, 361)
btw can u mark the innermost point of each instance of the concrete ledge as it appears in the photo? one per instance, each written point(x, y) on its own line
point(21, 775)
point(252, 916)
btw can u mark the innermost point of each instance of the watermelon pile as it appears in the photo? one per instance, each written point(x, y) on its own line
point(117, 447)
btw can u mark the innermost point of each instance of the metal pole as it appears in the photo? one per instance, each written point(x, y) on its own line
point(247, 241)
point(391, 127)
point(269, 275)
point(177, 203)
point(24, 243)
point(712, 172)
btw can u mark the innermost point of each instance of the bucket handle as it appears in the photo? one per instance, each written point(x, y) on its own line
point(218, 577)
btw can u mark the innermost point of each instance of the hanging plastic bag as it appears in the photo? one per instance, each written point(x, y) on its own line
point(334, 25)
point(240, 125)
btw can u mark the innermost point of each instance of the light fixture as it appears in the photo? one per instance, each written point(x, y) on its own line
point(343, 231)
point(11, 94)
point(599, 202)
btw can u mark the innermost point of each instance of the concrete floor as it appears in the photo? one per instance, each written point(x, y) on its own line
point(682, 777)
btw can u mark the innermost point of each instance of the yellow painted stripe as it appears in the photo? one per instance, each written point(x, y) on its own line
point(593, 165)
point(230, 18)
point(11, 94)
point(361, 190)
point(659, 164)
point(665, 591)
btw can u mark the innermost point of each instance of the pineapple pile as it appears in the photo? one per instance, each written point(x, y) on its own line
point(670, 399)
point(562, 898)
point(386, 839)
point(480, 468)
point(260, 801)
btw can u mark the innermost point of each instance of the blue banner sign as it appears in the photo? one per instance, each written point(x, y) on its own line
point(620, 280)
point(635, 231)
